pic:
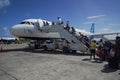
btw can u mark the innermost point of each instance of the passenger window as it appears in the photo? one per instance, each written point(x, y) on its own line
point(28, 23)
point(32, 23)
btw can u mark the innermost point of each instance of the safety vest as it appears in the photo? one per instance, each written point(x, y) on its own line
point(92, 45)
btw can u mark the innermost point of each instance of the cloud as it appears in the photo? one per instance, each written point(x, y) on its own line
point(4, 3)
point(87, 22)
point(5, 28)
point(4, 32)
point(94, 17)
point(114, 24)
point(105, 29)
point(5, 11)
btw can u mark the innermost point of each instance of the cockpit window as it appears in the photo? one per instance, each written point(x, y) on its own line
point(22, 23)
point(25, 22)
point(29, 23)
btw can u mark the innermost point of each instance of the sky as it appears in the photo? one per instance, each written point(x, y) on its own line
point(80, 13)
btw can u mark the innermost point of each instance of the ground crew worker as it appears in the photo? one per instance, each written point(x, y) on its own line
point(56, 46)
point(65, 46)
point(92, 49)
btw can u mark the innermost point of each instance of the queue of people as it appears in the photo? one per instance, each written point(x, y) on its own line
point(106, 51)
point(67, 26)
point(114, 60)
point(102, 49)
point(72, 30)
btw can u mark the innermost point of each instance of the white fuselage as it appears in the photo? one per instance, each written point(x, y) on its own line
point(32, 28)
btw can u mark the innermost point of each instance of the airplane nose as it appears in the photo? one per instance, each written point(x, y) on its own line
point(21, 30)
point(13, 30)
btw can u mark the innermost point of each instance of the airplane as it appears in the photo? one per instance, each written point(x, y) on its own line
point(7, 40)
point(39, 29)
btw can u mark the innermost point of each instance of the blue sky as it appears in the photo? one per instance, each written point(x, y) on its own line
point(80, 13)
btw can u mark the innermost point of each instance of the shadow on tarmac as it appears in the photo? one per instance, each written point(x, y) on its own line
point(96, 60)
point(107, 69)
point(41, 51)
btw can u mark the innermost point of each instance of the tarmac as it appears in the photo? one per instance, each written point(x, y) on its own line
point(18, 62)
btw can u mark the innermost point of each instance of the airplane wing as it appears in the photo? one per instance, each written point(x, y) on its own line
point(100, 35)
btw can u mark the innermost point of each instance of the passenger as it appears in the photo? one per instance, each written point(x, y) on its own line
point(66, 46)
point(86, 41)
point(73, 31)
point(97, 45)
point(112, 51)
point(59, 22)
point(1, 49)
point(92, 49)
point(117, 52)
point(65, 43)
point(86, 38)
point(112, 61)
point(105, 50)
point(80, 36)
point(56, 46)
point(67, 26)
point(101, 43)
point(80, 33)
point(53, 23)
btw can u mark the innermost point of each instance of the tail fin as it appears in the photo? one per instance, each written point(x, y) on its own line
point(92, 29)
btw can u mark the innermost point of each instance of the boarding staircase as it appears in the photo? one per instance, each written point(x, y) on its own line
point(75, 44)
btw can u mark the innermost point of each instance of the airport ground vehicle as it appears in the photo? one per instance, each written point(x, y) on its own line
point(31, 44)
point(50, 44)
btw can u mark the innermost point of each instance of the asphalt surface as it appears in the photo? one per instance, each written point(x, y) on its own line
point(18, 62)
